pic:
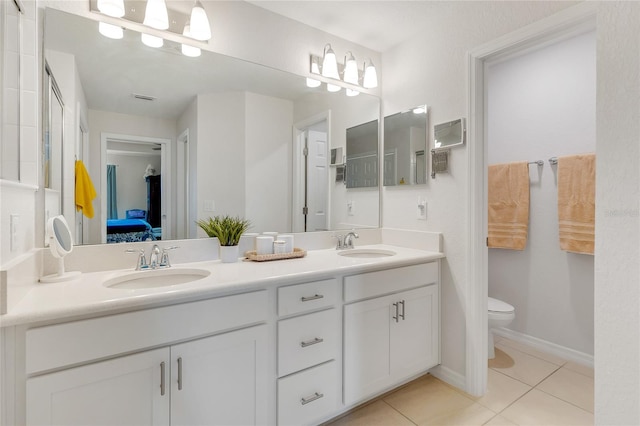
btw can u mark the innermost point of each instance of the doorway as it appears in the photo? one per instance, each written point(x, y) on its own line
point(311, 197)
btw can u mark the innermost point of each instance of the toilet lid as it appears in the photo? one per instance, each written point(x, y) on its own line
point(496, 305)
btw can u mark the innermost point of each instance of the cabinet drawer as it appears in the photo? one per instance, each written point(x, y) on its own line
point(373, 284)
point(308, 396)
point(307, 297)
point(58, 345)
point(307, 340)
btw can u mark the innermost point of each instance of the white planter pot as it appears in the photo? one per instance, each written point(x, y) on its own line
point(229, 254)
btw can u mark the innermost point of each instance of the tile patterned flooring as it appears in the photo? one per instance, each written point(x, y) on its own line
point(525, 387)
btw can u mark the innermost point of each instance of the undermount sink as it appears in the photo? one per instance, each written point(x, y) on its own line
point(156, 278)
point(366, 253)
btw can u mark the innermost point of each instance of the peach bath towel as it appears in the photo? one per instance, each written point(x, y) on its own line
point(576, 202)
point(508, 205)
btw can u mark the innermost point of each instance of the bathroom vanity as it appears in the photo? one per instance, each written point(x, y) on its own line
point(287, 342)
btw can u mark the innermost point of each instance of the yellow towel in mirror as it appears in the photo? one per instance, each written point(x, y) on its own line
point(508, 202)
point(576, 202)
point(85, 192)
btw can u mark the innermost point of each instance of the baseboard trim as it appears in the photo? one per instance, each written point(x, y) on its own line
point(545, 346)
point(449, 376)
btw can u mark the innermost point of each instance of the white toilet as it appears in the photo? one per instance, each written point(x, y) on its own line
point(500, 315)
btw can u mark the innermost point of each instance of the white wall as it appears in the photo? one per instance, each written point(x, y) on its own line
point(189, 120)
point(111, 122)
point(431, 69)
point(268, 162)
point(541, 105)
point(130, 184)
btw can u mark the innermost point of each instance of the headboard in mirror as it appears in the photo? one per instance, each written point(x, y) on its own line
point(405, 146)
point(228, 124)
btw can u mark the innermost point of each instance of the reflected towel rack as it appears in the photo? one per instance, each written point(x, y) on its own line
point(553, 161)
point(540, 163)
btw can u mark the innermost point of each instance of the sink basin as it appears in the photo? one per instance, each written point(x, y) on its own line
point(156, 278)
point(366, 253)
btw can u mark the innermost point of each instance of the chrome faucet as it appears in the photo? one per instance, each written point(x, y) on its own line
point(346, 241)
point(157, 259)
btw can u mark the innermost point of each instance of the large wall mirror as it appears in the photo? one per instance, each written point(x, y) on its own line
point(405, 147)
point(222, 125)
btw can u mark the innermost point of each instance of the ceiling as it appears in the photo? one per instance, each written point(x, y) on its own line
point(377, 25)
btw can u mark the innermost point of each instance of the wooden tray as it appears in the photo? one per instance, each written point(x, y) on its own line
point(296, 253)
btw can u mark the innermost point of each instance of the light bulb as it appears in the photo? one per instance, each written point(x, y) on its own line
point(151, 41)
point(333, 88)
point(113, 8)
point(110, 31)
point(200, 28)
point(370, 79)
point(350, 69)
point(187, 50)
point(330, 64)
point(155, 15)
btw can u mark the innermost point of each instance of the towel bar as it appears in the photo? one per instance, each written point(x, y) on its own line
point(540, 163)
point(553, 161)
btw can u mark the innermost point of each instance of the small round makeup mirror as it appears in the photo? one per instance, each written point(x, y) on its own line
point(60, 244)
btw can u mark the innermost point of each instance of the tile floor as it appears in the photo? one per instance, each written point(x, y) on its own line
point(525, 387)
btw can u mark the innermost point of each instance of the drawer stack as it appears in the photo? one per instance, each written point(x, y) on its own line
point(308, 340)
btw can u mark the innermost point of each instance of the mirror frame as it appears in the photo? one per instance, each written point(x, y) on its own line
point(413, 179)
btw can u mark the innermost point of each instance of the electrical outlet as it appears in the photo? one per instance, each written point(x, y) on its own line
point(351, 208)
point(208, 205)
point(421, 213)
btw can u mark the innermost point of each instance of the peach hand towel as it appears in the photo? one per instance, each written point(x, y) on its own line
point(508, 205)
point(576, 202)
point(85, 192)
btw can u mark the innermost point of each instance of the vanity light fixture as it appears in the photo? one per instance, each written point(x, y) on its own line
point(151, 40)
point(329, 63)
point(111, 31)
point(187, 50)
point(350, 69)
point(155, 15)
point(370, 79)
point(200, 28)
point(113, 8)
point(315, 69)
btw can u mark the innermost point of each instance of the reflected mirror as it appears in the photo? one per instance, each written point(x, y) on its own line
point(228, 123)
point(405, 144)
point(449, 134)
point(362, 156)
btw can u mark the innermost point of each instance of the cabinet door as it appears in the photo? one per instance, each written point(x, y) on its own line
point(366, 347)
point(414, 336)
point(123, 391)
point(220, 380)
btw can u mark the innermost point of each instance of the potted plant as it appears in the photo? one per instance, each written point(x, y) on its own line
point(228, 231)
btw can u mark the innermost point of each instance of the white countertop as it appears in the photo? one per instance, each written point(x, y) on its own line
point(87, 296)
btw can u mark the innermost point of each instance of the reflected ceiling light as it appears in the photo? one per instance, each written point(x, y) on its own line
point(351, 92)
point(315, 69)
point(110, 31)
point(113, 8)
point(187, 50)
point(420, 110)
point(155, 15)
point(330, 64)
point(200, 28)
point(350, 69)
point(151, 41)
point(370, 79)
point(333, 87)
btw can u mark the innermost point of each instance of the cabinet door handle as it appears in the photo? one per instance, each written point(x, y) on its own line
point(402, 314)
point(162, 382)
point(312, 342)
point(311, 398)
point(309, 298)
point(395, 317)
point(180, 373)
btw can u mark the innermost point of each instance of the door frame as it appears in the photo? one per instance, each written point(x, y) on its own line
point(165, 179)
point(564, 24)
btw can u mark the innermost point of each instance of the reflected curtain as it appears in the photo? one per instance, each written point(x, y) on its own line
point(112, 193)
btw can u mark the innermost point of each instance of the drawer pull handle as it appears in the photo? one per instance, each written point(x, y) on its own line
point(395, 317)
point(314, 297)
point(180, 373)
point(311, 398)
point(162, 383)
point(402, 314)
point(311, 342)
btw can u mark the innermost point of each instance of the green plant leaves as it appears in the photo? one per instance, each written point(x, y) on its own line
point(226, 229)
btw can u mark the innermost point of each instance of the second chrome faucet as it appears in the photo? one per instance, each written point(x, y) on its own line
point(346, 241)
point(157, 259)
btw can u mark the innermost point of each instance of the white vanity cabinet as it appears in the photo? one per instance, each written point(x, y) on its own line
point(308, 343)
point(392, 337)
point(220, 379)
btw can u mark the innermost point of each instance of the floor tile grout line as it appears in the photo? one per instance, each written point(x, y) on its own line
point(399, 412)
point(564, 400)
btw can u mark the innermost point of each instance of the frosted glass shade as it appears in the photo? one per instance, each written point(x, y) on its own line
point(155, 15)
point(200, 28)
point(370, 79)
point(151, 41)
point(110, 31)
point(350, 70)
point(113, 8)
point(330, 64)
